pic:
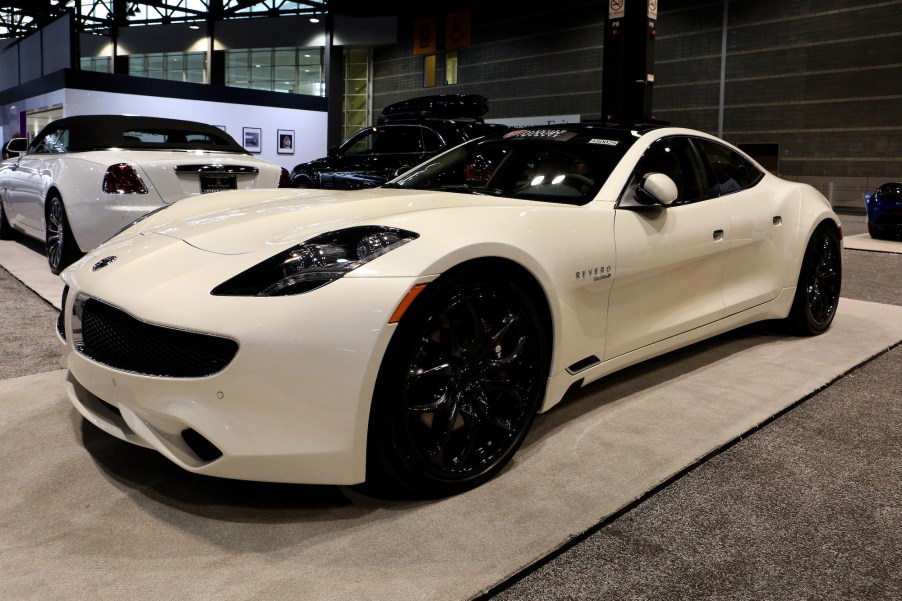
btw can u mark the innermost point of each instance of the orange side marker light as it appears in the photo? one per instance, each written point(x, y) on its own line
point(406, 302)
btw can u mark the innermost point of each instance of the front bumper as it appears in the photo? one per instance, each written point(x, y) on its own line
point(292, 406)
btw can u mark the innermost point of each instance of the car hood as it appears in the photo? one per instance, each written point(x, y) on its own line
point(238, 222)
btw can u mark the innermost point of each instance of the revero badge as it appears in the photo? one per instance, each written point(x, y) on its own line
point(103, 262)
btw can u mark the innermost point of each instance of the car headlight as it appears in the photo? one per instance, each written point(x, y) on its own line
point(315, 263)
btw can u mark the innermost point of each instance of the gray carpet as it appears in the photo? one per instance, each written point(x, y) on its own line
point(86, 516)
point(808, 507)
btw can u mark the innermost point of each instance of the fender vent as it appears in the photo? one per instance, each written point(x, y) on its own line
point(583, 365)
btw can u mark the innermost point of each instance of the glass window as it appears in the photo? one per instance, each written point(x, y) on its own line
point(451, 68)
point(174, 66)
point(287, 70)
point(356, 101)
point(429, 71)
point(675, 158)
point(100, 64)
point(53, 142)
point(536, 168)
point(729, 171)
point(431, 140)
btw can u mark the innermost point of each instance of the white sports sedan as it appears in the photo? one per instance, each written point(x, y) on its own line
point(84, 178)
point(406, 336)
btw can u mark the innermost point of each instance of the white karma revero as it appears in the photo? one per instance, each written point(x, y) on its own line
point(84, 178)
point(405, 336)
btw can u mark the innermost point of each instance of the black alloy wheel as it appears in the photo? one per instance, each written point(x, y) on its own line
point(817, 292)
point(464, 378)
point(61, 247)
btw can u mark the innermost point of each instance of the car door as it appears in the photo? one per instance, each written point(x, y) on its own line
point(670, 262)
point(23, 204)
point(29, 179)
point(764, 220)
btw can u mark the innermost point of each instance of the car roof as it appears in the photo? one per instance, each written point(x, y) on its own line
point(93, 132)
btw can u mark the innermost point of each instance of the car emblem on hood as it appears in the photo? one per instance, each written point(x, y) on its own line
point(103, 262)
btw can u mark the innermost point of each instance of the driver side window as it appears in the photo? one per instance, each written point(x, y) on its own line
point(675, 158)
point(53, 142)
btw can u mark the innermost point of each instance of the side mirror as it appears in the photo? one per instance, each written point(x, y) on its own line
point(332, 152)
point(657, 188)
point(17, 145)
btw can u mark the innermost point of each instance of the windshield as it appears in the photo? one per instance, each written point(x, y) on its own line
point(552, 165)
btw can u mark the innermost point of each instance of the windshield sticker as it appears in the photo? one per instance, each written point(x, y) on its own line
point(539, 133)
point(604, 142)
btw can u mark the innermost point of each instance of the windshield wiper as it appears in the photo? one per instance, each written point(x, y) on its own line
point(465, 189)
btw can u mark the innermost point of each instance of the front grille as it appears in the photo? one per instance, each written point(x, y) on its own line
point(112, 337)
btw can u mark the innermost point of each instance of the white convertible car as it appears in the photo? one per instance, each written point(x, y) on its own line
point(407, 335)
point(86, 177)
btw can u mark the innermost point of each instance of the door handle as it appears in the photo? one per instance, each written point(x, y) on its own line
point(778, 220)
point(718, 235)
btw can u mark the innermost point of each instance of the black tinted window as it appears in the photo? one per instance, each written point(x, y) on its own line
point(385, 140)
point(730, 171)
point(546, 165)
point(431, 140)
point(675, 158)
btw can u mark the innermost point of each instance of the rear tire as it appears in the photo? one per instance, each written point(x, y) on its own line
point(820, 278)
point(461, 382)
point(62, 249)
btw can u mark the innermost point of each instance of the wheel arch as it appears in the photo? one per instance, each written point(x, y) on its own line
point(520, 276)
point(53, 188)
point(506, 270)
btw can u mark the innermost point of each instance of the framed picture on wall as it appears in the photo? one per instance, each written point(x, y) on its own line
point(285, 141)
point(251, 138)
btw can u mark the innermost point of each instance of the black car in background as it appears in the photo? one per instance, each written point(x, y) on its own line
point(885, 211)
point(406, 134)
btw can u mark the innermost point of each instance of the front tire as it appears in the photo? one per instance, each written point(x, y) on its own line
point(463, 378)
point(820, 278)
point(62, 249)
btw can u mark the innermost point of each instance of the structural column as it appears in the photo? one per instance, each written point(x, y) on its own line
point(629, 58)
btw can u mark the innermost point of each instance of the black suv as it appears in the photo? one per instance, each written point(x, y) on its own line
point(406, 134)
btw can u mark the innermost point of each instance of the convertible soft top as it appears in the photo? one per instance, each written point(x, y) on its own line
point(98, 132)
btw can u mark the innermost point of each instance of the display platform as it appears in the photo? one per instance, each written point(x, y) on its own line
point(85, 516)
point(865, 242)
point(25, 261)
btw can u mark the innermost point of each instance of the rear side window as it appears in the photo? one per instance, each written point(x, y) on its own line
point(729, 171)
point(393, 139)
point(431, 140)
